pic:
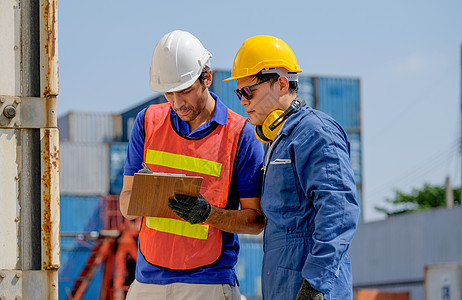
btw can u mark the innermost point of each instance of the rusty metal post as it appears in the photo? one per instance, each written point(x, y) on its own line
point(29, 163)
point(29, 150)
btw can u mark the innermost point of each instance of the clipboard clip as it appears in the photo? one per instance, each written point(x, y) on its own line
point(145, 169)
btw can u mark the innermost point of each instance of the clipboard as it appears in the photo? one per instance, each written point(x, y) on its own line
point(151, 192)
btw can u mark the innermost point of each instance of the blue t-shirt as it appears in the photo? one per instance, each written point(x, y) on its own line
point(245, 183)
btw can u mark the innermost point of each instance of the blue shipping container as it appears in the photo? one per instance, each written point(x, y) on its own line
point(355, 150)
point(356, 163)
point(117, 156)
point(305, 89)
point(248, 269)
point(225, 90)
point(74, 255)
point(78, 215)
point(339, 98)
point(129, 116)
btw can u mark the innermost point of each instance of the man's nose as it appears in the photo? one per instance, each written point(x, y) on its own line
point(244, 101)
point(178, 100)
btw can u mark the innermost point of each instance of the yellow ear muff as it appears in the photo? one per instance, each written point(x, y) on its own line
point(263, 132)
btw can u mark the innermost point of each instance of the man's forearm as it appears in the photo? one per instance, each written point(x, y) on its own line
point(123, 202)
point(247, 220)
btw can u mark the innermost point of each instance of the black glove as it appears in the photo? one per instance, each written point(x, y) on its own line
point(192, 209)
point(306, 292)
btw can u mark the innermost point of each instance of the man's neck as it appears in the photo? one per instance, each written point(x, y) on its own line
point(286, 100)
point(206, 114)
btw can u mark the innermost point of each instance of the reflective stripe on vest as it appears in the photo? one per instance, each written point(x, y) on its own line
point(178, 227)
point(174, 243)
point(183, 162)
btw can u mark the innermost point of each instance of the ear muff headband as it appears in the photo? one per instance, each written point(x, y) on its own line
point(266, 132)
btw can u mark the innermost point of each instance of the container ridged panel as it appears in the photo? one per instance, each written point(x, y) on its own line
point(74, 255)
point(129, 116)
point(78, 215)
point(339, 98)
point(355, 154)
point(117, 156)
point(84, 168)
point(90, 127)
point(248, 269)
point(305, 89)
point(225, 91)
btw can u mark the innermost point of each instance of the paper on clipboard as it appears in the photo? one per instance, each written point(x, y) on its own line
point(151, 192)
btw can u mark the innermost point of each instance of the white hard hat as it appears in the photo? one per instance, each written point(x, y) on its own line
point(177, 62)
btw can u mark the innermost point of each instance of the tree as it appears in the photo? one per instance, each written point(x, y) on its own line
point(419, 199)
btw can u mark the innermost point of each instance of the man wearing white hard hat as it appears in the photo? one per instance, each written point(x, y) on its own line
point(193, 256)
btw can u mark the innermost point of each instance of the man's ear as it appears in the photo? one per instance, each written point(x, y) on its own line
point(283, 85)
point(208, 79)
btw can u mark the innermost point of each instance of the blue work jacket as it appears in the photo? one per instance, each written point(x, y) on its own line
point(309, 200)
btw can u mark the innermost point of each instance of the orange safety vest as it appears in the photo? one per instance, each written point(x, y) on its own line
point(174, 243)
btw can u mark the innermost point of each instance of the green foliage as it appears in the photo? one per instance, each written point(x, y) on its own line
point(419, 199)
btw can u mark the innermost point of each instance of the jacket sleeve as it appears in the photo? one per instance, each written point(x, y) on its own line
point(323, 166)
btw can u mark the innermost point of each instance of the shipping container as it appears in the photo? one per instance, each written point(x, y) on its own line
point(129, 116)
point(249, 267)
point(117, 156)
point(339, 98)
point(84, 168)
point(305, 89)
point(225, 91)
point(356, 155)
point(79, 216)
point(74, 256)
point(443, 282)
point(90, 127)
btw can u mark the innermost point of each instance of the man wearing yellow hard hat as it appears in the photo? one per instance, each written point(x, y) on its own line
point(309, 193)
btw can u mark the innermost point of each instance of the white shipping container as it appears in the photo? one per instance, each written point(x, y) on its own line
point(90, 127)
point(84, 168)
point(443, 282)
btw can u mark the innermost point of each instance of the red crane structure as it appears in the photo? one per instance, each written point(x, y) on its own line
point(116, 249)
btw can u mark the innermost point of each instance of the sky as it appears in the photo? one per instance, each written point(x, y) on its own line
point(407, 55)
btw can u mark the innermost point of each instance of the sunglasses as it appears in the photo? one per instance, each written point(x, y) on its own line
point(246, 91)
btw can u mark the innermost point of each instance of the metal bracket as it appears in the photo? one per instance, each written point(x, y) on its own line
point(28, 284)
point(22, 112)
point(10, 284)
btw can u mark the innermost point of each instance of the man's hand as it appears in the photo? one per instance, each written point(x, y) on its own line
point(192, 209)
point(306, 292)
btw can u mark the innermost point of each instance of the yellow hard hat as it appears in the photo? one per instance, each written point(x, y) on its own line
point(263, 52)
